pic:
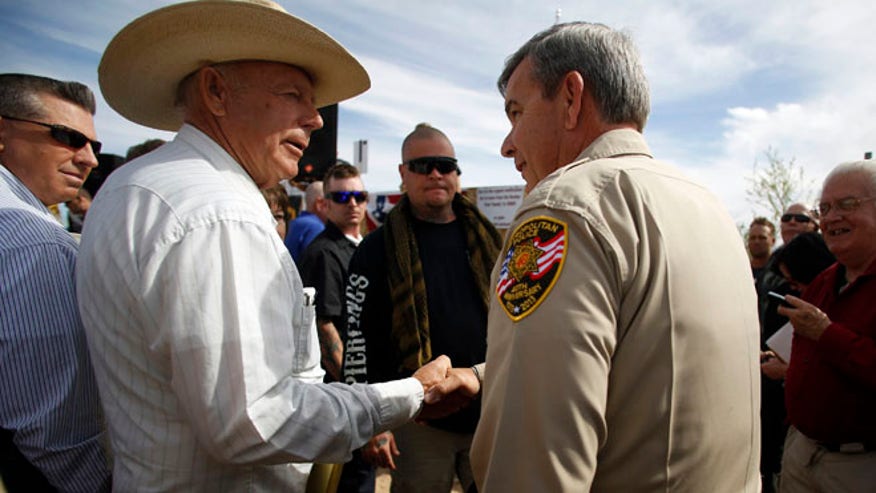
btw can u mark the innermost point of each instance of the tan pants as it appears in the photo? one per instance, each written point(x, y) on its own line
point(429, 459)
point(807, 467)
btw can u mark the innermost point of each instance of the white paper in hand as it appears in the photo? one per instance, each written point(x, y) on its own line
point(780, 342)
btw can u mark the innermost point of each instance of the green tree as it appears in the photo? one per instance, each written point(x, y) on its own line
point(778, 184)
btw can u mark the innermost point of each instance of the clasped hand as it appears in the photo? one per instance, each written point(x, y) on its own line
point(447, 389)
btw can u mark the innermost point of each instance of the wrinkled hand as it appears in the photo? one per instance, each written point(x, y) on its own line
point(433, 372)
point(772, 366)
point(456, 392)
point(380, 450)
point(807, 319)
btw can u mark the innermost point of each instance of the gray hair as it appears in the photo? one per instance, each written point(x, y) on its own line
point(866, 167)
point(607, 60)
point(19, 95)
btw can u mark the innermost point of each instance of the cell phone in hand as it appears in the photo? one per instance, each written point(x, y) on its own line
point(779, 297)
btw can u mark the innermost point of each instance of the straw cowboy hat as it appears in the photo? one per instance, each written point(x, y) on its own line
point(145, 62)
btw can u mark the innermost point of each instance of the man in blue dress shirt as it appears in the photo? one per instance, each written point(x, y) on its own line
point(51, 426)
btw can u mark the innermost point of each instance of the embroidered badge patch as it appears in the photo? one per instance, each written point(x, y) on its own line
point(531, 265)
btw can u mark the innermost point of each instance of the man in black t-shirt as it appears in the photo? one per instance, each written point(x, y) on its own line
point(417, 287)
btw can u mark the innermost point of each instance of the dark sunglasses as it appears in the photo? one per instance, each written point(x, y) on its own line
point(345, 197)
point(425, 165)
point(64, 135)
point(800, 218)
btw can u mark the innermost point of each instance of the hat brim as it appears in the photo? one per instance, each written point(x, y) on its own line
point(144, 63)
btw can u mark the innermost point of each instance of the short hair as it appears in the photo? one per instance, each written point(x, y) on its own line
point(762, 221)
point(866, 167)
point(19, 95)
point(312, 193)
point(339, 171)
point(424, 131)
point(142, 148)
point(607, 60)
point(276, 195)
point(804, 257)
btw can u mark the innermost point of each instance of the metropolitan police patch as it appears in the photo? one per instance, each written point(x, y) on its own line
point(531, 265)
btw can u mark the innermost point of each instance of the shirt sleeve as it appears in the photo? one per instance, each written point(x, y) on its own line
point(50, 399)
point(237, 332)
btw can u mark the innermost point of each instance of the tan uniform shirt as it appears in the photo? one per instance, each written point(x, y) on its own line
point(623, 336)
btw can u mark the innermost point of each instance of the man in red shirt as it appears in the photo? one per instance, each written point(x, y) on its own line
point(830, 387)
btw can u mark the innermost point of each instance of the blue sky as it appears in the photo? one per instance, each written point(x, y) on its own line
point(728, 79)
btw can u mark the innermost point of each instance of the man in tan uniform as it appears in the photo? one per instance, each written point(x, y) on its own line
point(622, 350)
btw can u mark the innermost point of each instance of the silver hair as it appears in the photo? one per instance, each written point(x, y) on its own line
point(866, 167)
point(607, 60)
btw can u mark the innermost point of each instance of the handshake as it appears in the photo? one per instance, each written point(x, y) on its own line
point(447, 389)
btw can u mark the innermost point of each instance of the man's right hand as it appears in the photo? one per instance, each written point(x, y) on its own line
point(433, 372)
point(380, 450)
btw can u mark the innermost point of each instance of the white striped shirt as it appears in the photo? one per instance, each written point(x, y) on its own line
point(200, 337)
point(48, 396)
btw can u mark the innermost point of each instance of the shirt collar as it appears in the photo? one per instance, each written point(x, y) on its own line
point(219, 158)
point(615, 143)
point(11, 182)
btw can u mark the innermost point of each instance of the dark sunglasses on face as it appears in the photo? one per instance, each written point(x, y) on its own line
point(800, 218)
point(345, 197)
point(64, 135)
point(425, 165)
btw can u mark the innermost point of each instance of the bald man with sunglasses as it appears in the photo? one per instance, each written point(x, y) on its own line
point(418, 287)
point(51, 427)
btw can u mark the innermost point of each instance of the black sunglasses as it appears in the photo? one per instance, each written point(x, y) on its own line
point(64, 135)
point(345, 197)
point(425, 165)
point(800, 218)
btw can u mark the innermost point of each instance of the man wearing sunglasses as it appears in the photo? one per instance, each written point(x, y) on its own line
point(830, 384)
point(418, 287)
point(796, 219)
point(51, 427)
point(323, 266)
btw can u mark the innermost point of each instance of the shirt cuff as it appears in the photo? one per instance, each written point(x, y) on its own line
point(400, 401)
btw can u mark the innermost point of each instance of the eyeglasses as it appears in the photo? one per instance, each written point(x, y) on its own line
point(848, 204)
point(800, 218)
point(64, 135)
point(360, 196)
point(425, 165)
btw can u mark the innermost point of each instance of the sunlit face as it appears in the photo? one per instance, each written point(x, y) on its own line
point(790, 229)
point(536, 123)
point(434, 190)
point(760, 242)
point(52, 171)
point(347, 217)
point(268, 119)
point(850, 236)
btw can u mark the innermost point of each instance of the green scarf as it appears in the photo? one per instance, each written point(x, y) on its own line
point(410, 312)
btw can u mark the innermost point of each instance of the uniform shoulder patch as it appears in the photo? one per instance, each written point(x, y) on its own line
point(531, 265)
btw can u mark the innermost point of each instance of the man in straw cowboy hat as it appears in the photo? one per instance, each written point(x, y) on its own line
point(201, 332)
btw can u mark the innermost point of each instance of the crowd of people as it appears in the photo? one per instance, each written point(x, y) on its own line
point(618, 338)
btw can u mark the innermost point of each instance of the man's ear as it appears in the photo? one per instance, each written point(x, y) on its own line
point(572, 93)
point(213, 90)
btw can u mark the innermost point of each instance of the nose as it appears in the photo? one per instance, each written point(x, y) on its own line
point(508, 148)
point(312, 120)
point(85, 157)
